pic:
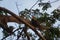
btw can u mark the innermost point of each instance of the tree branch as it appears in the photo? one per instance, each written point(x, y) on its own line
point(25, 22)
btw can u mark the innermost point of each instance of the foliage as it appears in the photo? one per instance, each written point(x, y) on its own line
point(56, 14)
point(4, 33)
point(45, 6)
point(3, 13)
point(43, 18)
point(52, 33)
point(49, 20)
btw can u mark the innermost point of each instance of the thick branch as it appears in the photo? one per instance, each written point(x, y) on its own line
point(11, 19)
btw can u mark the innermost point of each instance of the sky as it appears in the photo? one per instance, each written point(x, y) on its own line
point(22, 4)
point(11, 5)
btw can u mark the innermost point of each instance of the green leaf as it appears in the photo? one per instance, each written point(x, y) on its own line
point(56, 14)
point(5, 33)
point(5, 13)
point(1, 13)
point(46, 6)
point(48, 24)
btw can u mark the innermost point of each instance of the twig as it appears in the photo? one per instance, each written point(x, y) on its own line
point(10, 34)
point(19, 35)
point(34, 4)
point(17, 7)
